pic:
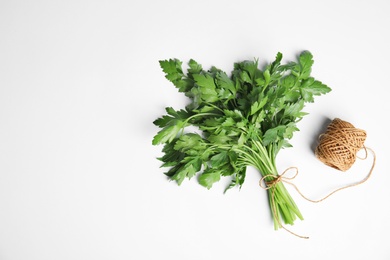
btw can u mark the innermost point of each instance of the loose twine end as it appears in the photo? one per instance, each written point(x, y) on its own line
point(338, 148)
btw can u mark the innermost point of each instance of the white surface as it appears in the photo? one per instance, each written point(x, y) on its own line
point(80, 85)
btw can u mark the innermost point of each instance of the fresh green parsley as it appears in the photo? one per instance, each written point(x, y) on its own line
point(244, 119)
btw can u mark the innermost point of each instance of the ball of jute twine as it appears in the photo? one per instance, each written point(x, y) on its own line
point(337, 148)
point(339, 145)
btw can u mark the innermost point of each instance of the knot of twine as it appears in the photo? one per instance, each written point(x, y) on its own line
point(275, 179)
point(337, 148)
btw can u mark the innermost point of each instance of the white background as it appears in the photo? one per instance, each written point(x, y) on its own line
point(80, 86)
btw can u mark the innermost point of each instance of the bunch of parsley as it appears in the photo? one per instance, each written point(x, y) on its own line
point(242, 120)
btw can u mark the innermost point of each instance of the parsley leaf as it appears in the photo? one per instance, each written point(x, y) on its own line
point(306, 62)
point(209, 177)
point(207, 88)
point(311, 87)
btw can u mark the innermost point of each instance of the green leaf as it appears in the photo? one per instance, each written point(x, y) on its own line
point(233, 156)
point(223, 94)
point(207, 87)
point(164, 121)
point(306, 61)
point(255, 107)
point(220, 138)
point(260, 82)
point(245, 77)
point(179, 114)
point(225, 82)
point(187, 168)
point(249, 67)
point(235, 114)
point(182, 172)
point(228, 122)
point(171, 156)
point(209, 177)
point(226, 169)
point(241, 176)
point(213, 121)
point(290, 129)
point(292, 96)
point(205, 81)
point(226, 87)
point(288, 81)
point(172, 117)
point(273, 134)
point(167, 134)
point(172, 68)
point(311, 87)
point(258, 105)
point(190, 141)
point(195, 162)
point(275, 65)
point(174, 170)
point(174, 73)
point(219, 159)
point(285, 144)
point(195, 68)
point(237, 179)
point(294, 109)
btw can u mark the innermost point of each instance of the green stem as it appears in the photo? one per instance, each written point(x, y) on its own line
point(214, 106)
point(283, 208)
point(200, 114)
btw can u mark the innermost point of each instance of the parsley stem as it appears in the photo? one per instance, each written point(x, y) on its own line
point(200, 115)
point(261, 157)
point(214, 106)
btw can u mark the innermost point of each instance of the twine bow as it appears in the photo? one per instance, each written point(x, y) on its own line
point(275, 179)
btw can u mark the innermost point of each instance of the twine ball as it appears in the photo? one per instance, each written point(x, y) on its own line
point(339, 144)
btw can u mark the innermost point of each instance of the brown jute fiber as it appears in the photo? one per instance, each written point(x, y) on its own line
point(337, 148)
point(339, 145)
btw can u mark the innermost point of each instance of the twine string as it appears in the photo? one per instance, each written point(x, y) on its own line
point(338, 148)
